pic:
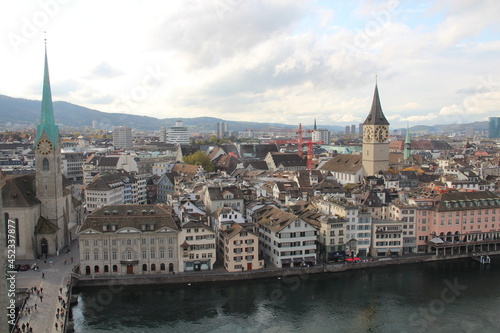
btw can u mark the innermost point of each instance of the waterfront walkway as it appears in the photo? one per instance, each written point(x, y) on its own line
point(51, 277)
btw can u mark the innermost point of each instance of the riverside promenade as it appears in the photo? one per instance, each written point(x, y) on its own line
point(221, 275)
point(53, 275)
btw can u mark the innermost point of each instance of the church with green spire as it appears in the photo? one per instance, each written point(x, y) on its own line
point(41, 204)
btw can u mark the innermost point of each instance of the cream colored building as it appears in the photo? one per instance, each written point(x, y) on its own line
point(128, 240)
point(240, 251)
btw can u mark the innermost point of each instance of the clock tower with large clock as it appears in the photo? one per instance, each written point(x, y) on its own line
point(51, 228)
point(375, 139)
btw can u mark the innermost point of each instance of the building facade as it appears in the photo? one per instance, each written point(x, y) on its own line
point(129, 240)
point(178, 134)
point(122, 137)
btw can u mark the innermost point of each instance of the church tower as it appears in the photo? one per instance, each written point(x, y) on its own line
point(407, 145)
point(51, 228)
point(375, 136)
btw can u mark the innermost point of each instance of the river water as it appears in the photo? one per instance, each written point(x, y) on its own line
point(448, 296)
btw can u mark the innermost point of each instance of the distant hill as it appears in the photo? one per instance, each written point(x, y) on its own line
point(26, 111)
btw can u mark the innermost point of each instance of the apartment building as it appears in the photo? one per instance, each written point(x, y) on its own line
point(285, 240)
point(240, 248)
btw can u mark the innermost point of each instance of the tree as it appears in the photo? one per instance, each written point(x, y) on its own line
point(199, 158)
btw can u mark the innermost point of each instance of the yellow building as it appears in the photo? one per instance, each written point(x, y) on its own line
point(240, 248)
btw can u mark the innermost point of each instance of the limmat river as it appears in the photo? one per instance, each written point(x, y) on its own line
point(446, 296)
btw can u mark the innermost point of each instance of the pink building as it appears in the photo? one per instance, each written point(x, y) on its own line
point(458, 217)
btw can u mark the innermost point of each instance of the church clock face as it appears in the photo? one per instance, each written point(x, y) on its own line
point(381, 133)
point(44, 147)
point(368, 134)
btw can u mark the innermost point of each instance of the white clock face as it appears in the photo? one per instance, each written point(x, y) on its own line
point(381, 133)
point(44, 147)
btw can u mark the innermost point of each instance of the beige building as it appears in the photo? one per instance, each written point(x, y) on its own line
point(129, 239)
point(240, 249)
point(387, 238)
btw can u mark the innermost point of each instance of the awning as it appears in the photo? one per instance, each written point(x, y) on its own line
point(310, 258)
point(297, 259)
point(286, 261)
point(381, 250)
point(394, 250)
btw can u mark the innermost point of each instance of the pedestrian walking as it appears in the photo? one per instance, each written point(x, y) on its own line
point(56, 326)
point(71, 259)
point(60, 290)
point(41, 298)
point(43, 275)
point(65, 261)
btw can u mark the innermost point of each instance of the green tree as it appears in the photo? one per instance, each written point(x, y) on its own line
point(199, 158)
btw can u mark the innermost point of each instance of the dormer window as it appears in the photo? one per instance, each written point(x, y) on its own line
point(106, 212)
point(144, 212)
point(105, 227)
point(129, 212)
point(152, 212)
point(115, 212)
point(113, 227)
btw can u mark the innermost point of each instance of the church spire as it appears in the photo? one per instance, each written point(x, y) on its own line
point(376, 115)
point(407, 144)
point(315, 127)
point(47, 122)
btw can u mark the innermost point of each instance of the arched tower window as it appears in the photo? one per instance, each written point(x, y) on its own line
point(45, 165)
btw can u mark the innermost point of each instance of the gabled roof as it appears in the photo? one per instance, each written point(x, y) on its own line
point(237, 228)
point(215, 193)
point(344, 163)
point(19, 191)
point(44, 226)
point(288, 159)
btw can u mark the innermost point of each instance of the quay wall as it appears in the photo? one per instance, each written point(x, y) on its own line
point(212, 276)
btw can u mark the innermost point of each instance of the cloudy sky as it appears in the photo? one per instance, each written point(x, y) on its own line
point(278, 61)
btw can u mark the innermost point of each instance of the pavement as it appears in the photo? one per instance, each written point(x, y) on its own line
point(52, 275)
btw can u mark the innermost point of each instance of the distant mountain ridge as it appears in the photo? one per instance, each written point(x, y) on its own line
point(26, 111)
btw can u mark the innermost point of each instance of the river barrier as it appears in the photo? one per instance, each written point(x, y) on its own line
point(224, 276)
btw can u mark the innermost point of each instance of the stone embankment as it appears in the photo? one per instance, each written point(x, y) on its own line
point(223, 276)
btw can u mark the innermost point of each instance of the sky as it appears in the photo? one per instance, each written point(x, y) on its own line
point(275, 61)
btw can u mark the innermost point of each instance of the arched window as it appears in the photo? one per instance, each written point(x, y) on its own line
point(106, 269)
point(96, 269)
point(45, 164)
point(162, 267)
point(115, 268)
point(153, 267)
point(87, 270)
point(170, 267)
point(144, 267)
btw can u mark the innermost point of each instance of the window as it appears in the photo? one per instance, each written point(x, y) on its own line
point(105, 255)
point(105, 242)
point(170, 240)
point(129, 255)
point(45, 164)
point(87, 256)
point(170, 253)
point(113, 256)
point(152, 241)
point(86, 242)
point(144, 254)
point(153, 254)
point(162, 254)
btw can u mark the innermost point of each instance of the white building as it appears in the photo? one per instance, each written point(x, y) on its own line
point(178, 134)
point(122, 137)
point(285, 239)
point(321, 135)
point(198, 247)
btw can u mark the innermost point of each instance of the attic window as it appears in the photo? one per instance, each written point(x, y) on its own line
point(144, 212)
point(129, 212)
point(152, 212)
point(113, 227)
point(105, 227)
point(106, 212)
point(115, 212)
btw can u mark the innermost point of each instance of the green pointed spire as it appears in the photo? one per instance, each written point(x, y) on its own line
point(47, 123)
point(407, 145)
